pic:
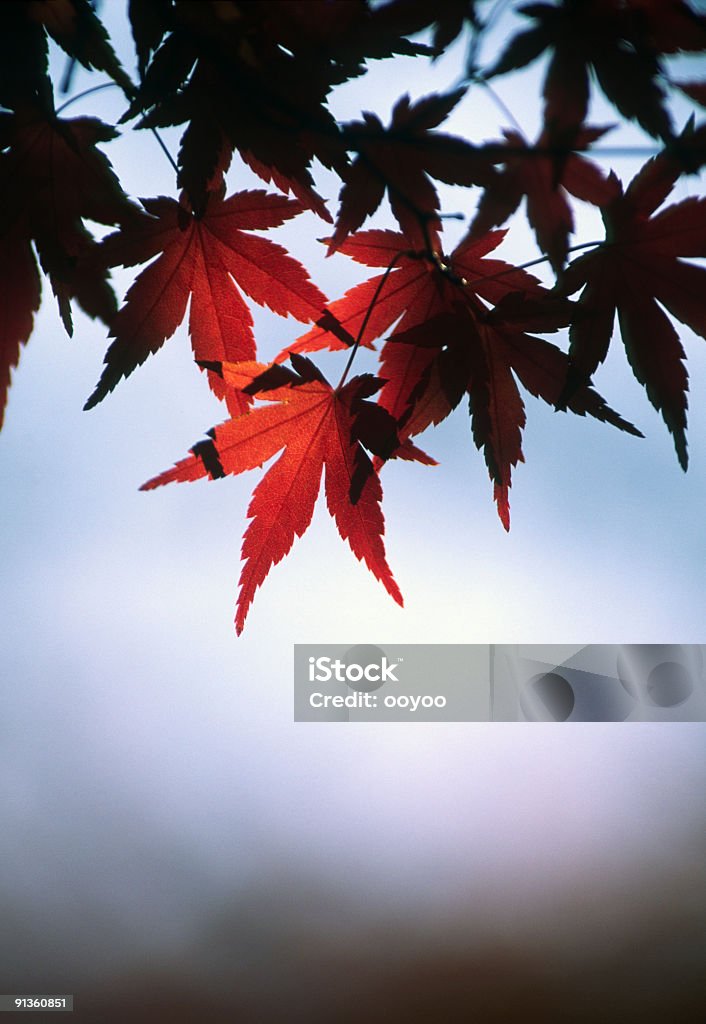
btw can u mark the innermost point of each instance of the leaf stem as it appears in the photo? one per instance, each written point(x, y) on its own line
point(584, 245)
point(366, 318)
point(114, 85)
point(431, 256)
point(532, 263)
point(500, 104)
point(86, 92)
point(164, 149)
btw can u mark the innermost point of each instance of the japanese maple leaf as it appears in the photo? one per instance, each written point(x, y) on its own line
point(75, 27)
point(430, 367)
point(401, 160)
point(686, 153)
point(52, 178)
point(694, 90)
point(605, 38)
point(228, 78)
point(444, 345)
point(20, 292)
point(545, 180)
point(53, 171)
point(76, 272)
point(317, 426)
point(667, 26)
point(149, 20)
point(207, 259)
point(235, 71)
point(417, 286)
point(636, 272)
point(24, 77)
point(343, 37)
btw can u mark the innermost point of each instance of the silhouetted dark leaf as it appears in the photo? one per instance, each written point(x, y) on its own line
point(634, 273)
point(619, 44)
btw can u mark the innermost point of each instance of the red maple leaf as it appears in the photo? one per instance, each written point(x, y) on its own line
point(636, 272)
point(317, 426)
point(258, 76)
point(430, 367)
point(20, 292)
point(208, 259)
point(24, 77)
point(416, 288)
point(402, 159)
point(461, 352)
point(54, 172)
point(694, 90)
point(667, 26)
point(75, 27)
point(230, 79)
point(545, 177)
point(618, 42)
point(447, 343)
point(52, 176)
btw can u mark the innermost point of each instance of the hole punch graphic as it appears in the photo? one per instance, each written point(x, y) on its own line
point(660, 675)
point(597, 683)
point(547, 698)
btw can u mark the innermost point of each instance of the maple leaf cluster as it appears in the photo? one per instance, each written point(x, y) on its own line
point(253, 81)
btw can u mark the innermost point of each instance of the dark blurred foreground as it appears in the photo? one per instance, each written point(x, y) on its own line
point(293, 952)
point(485, 986)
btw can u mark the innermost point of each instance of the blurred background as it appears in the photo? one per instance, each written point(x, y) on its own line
point(173, 847)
